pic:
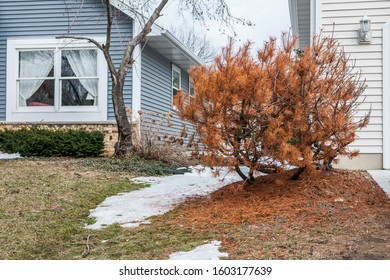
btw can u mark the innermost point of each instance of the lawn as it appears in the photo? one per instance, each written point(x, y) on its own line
point(333, 215)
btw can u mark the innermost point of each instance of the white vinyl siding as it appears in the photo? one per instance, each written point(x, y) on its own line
point(343, 18)
point(304, 22)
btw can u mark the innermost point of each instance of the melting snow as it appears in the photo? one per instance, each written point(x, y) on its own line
point(133, 208)
point(9, 156)
point(208, 251)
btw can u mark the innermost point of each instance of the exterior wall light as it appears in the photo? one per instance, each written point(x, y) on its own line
point(364, 33)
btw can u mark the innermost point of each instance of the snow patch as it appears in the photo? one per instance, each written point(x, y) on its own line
point(9, 156)
point(132, 209)
point(208, 251)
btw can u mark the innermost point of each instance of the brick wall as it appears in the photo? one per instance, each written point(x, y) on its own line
point(109, 129)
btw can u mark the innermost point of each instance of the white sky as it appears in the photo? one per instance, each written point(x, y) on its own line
point(270, 17)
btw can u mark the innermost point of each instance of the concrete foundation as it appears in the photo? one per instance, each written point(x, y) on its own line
point(363, 161)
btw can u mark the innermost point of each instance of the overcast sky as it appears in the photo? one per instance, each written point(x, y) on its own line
point(270, 18)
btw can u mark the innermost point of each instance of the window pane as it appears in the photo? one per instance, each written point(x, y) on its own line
point(176, 80)
point(43, 96)
point(192, 90)
point(79, 92)
point(79, 63)
point(36, 64)
point(66, 69)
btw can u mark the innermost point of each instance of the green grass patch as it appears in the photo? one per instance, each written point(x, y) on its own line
point(134, 165)
point(45, 206)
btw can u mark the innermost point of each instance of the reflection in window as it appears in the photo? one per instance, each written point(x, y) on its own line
point(79, 78)
point(74, 93)
point(191, 87)
point(39, 85)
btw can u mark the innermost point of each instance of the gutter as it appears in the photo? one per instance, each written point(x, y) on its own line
point(157, 30)
point(179, 45)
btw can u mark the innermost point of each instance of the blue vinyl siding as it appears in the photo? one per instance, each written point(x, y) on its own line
point(156, 86)
point(50, 18)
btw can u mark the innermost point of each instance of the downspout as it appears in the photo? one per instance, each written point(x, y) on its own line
point(293, 7)
point(315, 18)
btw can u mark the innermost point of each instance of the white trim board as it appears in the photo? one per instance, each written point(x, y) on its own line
point(386, 96)
point(315, 17)
point(136, 78)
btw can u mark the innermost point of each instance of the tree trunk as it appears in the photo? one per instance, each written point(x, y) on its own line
point(242, 175)
point(298, 173)
point(124, 146)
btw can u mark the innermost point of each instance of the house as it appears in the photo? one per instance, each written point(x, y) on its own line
point(369, 50)
point(64, 83)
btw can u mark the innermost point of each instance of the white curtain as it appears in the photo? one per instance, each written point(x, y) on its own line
point(33, 64)
point(84, 64)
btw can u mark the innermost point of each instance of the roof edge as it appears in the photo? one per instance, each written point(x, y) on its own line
point(181, 47)
point(136, 16)
point(156, 30)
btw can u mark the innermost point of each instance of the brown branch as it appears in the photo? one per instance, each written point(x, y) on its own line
point(242, 175)
point(147, 28)
point(297, 173)
point(105, 51)
point(87, 246)
point(109, 25)
point(90, 40)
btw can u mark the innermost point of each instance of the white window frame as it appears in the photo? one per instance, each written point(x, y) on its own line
point(178, 70)
point(57, 113)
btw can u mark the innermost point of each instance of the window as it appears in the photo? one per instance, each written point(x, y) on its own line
point(53, 80)
point(176, 80)
point(191, 87)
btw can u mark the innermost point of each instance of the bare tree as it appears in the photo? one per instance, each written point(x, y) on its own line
point(147, 12)
point(195, 40)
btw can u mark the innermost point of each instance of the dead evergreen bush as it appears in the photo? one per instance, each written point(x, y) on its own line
point(296, 107)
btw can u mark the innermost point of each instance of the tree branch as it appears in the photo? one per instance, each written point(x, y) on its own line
point(105, 51)
point(90, 40)
point(147, 28)
point(242, 175)
point(109, 25)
